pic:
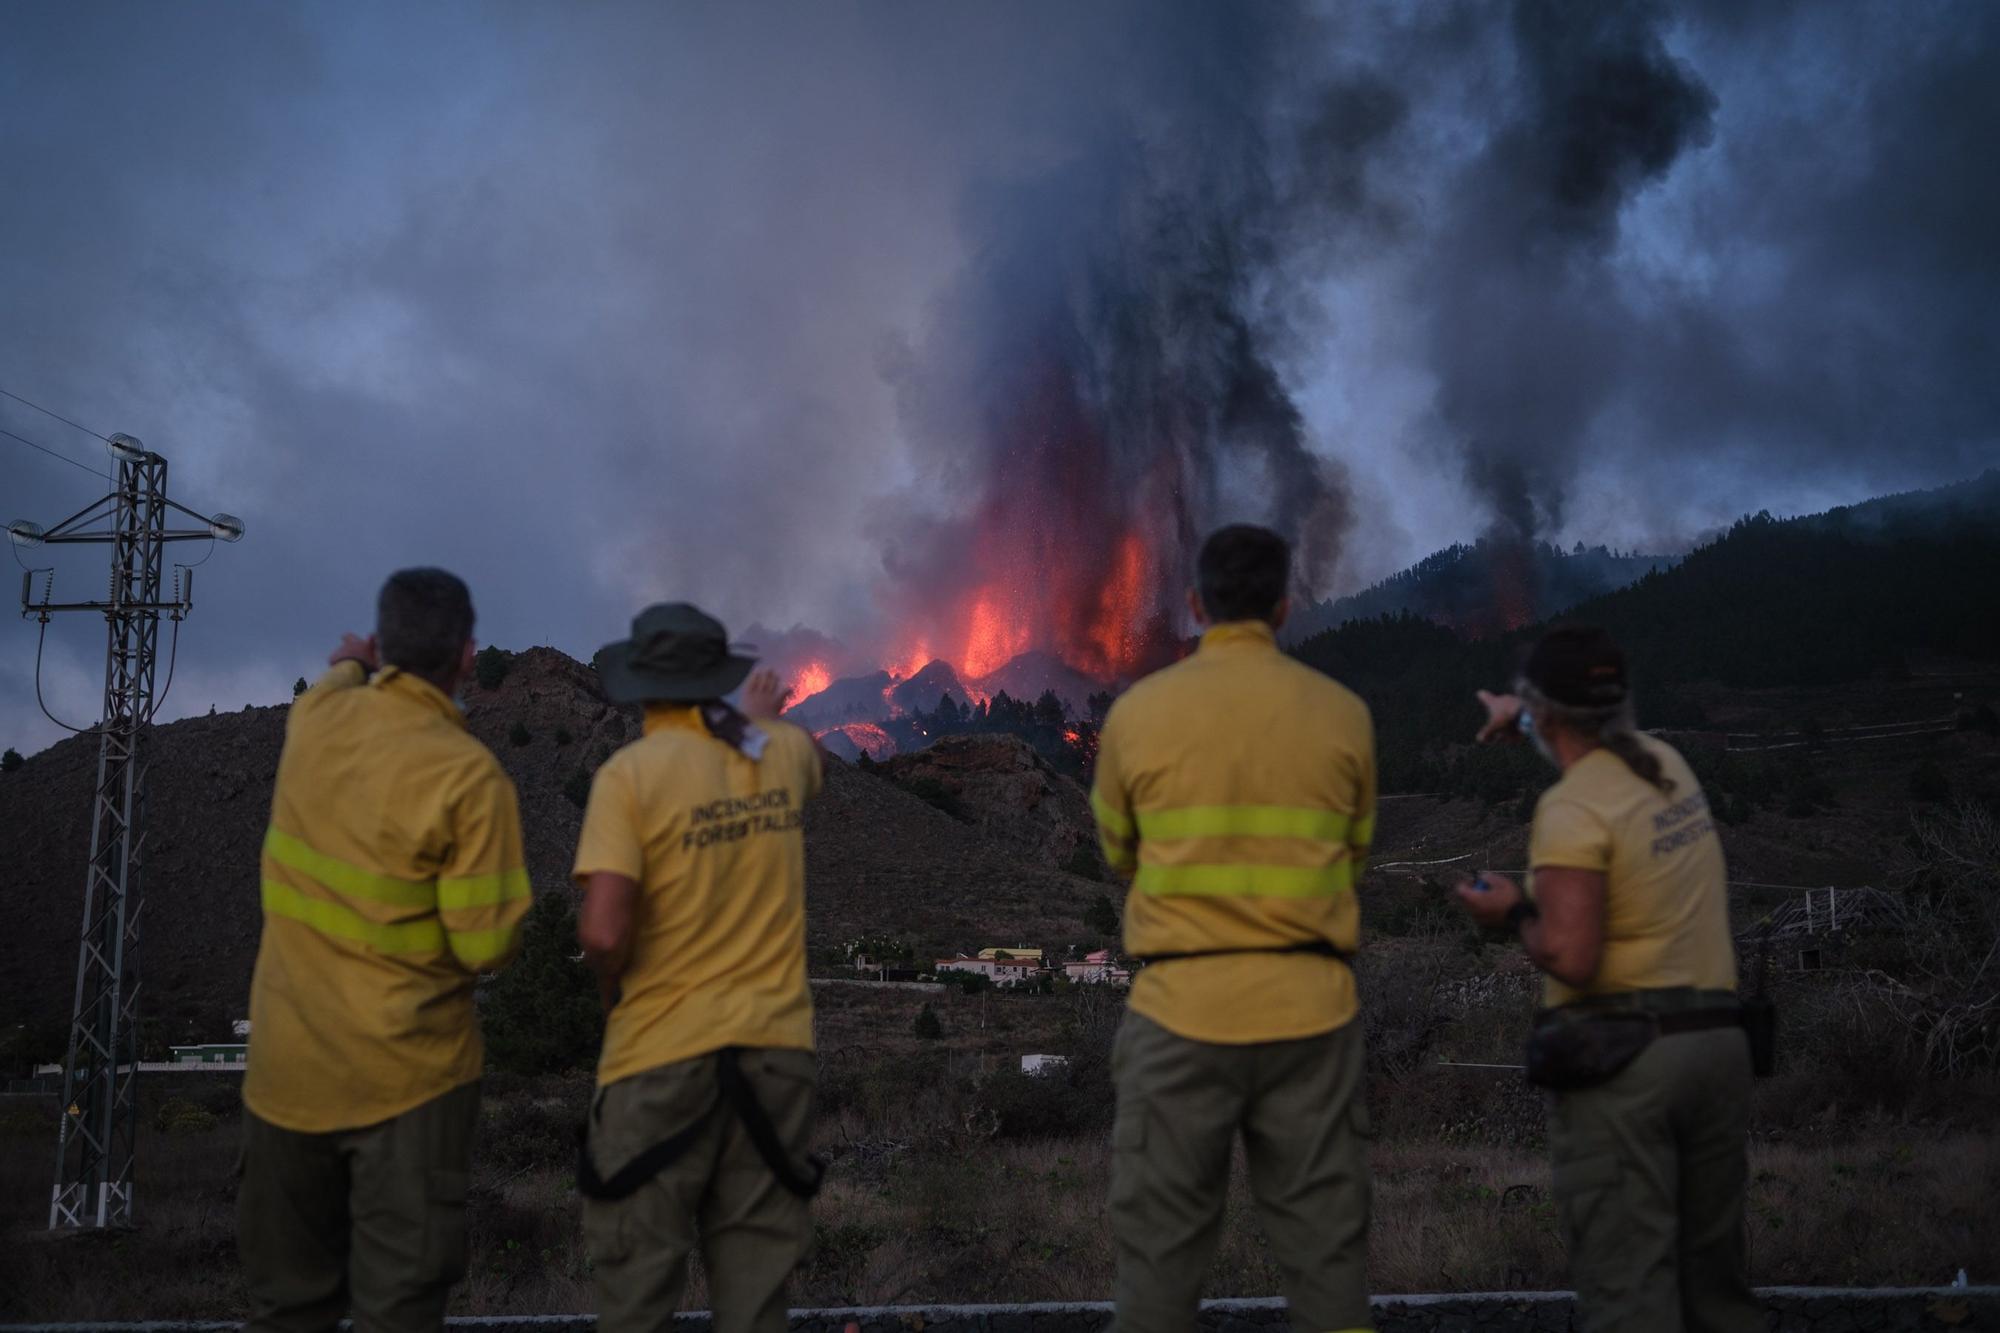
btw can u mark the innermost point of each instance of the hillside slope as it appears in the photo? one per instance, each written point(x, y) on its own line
point(879, 860)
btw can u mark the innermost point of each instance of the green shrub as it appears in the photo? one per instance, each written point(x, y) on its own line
point(490, 666)
point(520, 736)
point(1084, 862)
point(298, 687)
point(927, 1025)
point(178, 1115)
point(563, 737)
point(11, 760)
point(1101, 916)
point(577, 789)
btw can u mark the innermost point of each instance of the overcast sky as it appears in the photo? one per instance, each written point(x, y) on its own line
point(604, 304)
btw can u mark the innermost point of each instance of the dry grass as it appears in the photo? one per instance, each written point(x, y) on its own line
point(924, 1207)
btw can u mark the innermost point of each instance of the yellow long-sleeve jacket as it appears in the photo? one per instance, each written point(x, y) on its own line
point(1237, 788)
point(392, 874)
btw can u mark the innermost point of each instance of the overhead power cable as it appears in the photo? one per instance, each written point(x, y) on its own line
point(48, 412)
point(22, 439)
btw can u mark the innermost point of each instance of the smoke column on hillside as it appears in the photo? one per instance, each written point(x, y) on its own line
point(1103, 384)
point(1523, 309)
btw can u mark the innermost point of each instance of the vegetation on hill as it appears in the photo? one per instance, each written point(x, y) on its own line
point(1853, 594)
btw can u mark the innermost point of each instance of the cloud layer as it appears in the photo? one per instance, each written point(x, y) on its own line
point(609, 304)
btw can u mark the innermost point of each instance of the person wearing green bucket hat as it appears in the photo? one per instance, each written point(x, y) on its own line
point(692, 860)
point(678, 653)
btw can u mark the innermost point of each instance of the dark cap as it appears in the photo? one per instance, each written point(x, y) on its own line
point(1578, 666)
point(677, 654)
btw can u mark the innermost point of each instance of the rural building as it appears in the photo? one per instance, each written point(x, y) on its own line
point(1097, 969)
point(1034, 955)
point(218, 1053)
point(1000, 971)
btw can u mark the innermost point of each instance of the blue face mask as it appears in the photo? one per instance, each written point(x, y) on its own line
point(1527, 726)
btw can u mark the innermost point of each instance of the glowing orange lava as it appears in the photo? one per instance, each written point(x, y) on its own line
point(870, 739)
point(992, 640)
point(812, 678)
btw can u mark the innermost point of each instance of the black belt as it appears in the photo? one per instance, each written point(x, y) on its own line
point(1698, 1020)
point(733, 1091)
point(1323, 948)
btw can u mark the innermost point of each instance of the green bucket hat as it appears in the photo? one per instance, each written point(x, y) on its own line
point(678, 653)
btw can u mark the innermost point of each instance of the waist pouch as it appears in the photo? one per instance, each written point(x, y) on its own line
point(733, 1093)
point(1579, 1047)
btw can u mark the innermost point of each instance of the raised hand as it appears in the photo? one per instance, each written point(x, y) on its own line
point(355, 648)
point(764, 695)
point(1503, 714)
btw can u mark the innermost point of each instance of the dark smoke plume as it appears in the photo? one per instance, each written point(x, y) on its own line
point(1108, 371)
point(1519, 298)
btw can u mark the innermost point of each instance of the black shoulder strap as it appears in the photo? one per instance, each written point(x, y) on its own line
point(1324, 948)
point(736, 1090)
point(737, 1094)
point(627, 1179)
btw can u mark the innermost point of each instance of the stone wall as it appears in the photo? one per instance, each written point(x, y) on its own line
point(1789, 1310)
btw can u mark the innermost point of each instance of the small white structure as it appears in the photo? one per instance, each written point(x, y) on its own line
point(1097, 969)
point(1038, 1065)
point(1000, 971)
point(240, 1028)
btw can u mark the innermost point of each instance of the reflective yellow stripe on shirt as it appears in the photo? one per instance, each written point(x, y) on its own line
point(1115, 834)
point(1244, 821)
point(347, 879)
point(475, 948)
point(1113, 821)
point(424, 935)
point(1246, 881)
point(468, 891)
point(1362, 834)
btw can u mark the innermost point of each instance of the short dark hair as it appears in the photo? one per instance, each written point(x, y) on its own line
point(422, 620)
point(1242, 573)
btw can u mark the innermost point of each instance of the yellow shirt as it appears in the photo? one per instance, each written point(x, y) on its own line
point(392, 874)
point(1666, 901)
point(716, 843)
point(1238, 789)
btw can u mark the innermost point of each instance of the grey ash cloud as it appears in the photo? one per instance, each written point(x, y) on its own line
point(611, 303)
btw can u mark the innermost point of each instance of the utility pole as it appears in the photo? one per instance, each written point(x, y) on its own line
point(94, 1144)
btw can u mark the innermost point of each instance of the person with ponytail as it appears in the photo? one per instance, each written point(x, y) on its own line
point(1641, 1040)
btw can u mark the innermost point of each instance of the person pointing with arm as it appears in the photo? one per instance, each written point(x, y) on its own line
point(1641, 1040)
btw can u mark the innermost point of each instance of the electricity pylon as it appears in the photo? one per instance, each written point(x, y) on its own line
point(94, 1144)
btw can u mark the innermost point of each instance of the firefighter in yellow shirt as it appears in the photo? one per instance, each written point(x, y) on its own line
point(392, 876)
point(692, 860)
point(1642, 1040)
point(1237, 788)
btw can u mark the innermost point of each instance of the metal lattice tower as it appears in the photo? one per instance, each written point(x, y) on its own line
point(95, 1142)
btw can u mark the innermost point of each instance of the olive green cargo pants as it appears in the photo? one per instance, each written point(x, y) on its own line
point(720, 1194)
point(373, 1218)
point(1305, 1129)
point(1650, 1169)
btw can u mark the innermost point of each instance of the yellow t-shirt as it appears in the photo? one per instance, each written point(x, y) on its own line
point(1238, 789)
point(716, 843)
point(392, 874)
point(1666, 901)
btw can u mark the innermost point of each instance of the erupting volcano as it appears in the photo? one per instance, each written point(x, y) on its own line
point(1104, 383)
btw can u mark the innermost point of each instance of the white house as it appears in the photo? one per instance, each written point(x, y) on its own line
point(1097, 969)
point(1000, 971)
point(1037, 1065)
